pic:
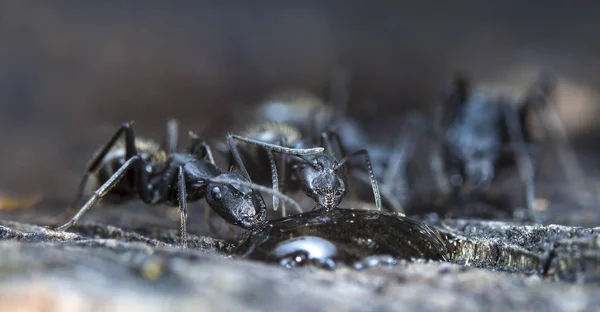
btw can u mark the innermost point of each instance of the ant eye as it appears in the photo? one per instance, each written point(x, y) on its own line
point(217, 192)
point(317, 166)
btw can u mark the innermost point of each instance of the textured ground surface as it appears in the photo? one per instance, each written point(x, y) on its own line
point(139, 268)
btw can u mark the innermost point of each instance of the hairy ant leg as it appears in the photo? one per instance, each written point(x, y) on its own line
point(101, 192)
point(395, 179)
point(525, 162)
point(200, 148)
point(96, 160)
point(182, 197)
point(541, 98)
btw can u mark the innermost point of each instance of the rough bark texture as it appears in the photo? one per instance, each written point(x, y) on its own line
point(499, 266)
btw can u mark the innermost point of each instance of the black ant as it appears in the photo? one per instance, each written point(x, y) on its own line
point(479, 130)
point(139, 167)
point(291, 115)
point(321, 176)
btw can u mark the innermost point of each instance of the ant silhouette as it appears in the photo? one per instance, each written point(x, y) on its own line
point(137, 167)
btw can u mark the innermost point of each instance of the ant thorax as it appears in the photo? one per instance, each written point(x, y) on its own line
point(273, 132)
point(290, 104)
point(298, 108)
point(148, 149)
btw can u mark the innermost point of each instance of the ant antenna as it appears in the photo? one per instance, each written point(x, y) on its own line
point(260, 188)
point(279, 148)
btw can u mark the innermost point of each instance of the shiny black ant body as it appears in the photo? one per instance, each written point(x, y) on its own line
point(136, 167)
point(303, 115)
point(321, 176)
point(477, 131)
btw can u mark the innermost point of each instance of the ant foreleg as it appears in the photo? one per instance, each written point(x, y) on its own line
point(101, 192)
point(436, 163)
point(196, 143)
point(182, 196)
point(237, 157)
point(524, 160)
point(395, 177)
point(452, 101)
point(540, 99)
point(327, 138)
point(96, 160)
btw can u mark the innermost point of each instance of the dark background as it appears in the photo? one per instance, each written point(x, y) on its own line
point(72, 71)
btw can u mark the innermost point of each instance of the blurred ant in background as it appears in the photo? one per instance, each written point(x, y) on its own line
point(480, 133)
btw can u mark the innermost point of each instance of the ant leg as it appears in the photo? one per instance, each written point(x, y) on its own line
point(436, 163)
point(101, 192)
point(452, 101)
point(440, 115)
point(197, 143)
point(269, 147)
point(525, 163)
point(96, 160)
point(443, 162)
point(237, 157)
point(182, 196)
point(328, 136)
point(395, 178)
point(374, 185)
point(172, 136)
point(540, 98)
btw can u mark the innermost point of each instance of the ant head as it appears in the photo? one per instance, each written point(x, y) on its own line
point(237, 203)
point(323, 179)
